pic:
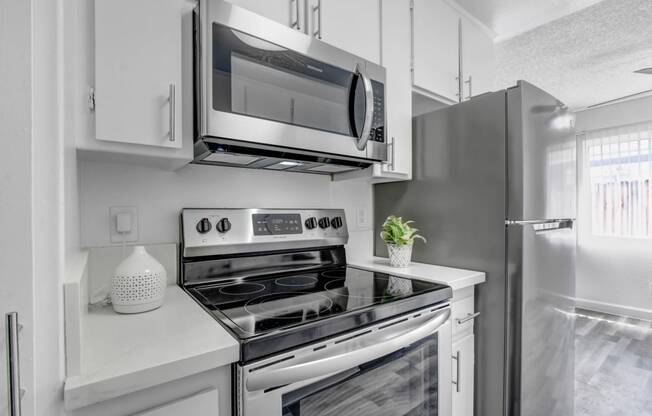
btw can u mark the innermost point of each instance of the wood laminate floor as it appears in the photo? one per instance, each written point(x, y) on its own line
point(613, 365)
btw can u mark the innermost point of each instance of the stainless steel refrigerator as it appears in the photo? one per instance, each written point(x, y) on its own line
point(493, 189)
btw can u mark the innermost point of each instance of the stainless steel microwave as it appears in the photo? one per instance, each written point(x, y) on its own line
point(271, 97)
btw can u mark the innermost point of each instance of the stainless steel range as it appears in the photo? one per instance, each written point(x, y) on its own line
point(317, 337)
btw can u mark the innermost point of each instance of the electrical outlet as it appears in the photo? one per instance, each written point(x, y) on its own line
point(128, 216)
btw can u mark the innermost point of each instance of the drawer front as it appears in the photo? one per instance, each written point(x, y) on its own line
point(461, 313)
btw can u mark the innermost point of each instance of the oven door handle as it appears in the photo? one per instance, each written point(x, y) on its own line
point(361, 142)
point(372, 349)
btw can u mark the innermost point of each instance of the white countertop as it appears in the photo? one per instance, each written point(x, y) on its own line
point(455, 278)
point(127, 353)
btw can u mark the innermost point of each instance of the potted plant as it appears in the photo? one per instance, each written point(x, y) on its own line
point(399, 236)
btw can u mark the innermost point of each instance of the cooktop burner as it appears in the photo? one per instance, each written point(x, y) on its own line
point(263, 304)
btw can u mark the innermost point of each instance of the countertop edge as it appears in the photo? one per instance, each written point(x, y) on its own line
point(465, 279)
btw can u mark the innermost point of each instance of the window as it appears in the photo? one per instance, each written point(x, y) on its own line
point(617, 168)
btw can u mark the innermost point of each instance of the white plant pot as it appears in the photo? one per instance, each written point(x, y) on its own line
point(138, 283)
point(399, 256)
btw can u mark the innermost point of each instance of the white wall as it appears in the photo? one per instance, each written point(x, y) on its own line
point(159, 196)
point(613, 274)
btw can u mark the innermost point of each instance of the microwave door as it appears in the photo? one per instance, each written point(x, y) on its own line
point(361, 108)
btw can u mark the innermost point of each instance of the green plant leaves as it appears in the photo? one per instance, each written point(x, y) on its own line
point(398, 232)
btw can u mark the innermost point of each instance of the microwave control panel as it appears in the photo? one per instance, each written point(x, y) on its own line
point(377, 133)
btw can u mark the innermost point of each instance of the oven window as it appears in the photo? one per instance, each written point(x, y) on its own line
point(257, 78)
point(400, 384)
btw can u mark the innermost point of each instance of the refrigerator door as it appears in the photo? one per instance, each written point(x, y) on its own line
point(457, 199)
point(541, 153)
point(540, 320)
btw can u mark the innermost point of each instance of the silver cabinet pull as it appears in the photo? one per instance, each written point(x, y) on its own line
point(458, 358)
point(392, 145)
point(297, 22)
point(469, 317)
point(317, 9)
point(469, 82)
point(13, 361)
point(460, 63)
point(172, 100)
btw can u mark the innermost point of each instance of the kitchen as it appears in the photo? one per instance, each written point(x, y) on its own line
point(132, 133)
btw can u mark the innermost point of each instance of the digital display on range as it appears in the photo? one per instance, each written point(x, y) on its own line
point(277, 224)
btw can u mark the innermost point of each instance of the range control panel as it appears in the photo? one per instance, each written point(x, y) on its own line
point(219, 231)
point(276, 224)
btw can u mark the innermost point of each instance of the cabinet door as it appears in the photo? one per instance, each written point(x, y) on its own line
point(477, 59)
point(463, 376)
point(205, 403)
point(350, 25)
point(287, 12)
point(137, 64)
point(435, 48)
point(395, 19)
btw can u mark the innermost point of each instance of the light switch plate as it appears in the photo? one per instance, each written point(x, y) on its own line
point(363, 219)
point(130, 236)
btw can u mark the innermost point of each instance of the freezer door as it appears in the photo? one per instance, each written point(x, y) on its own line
point(541, 154)
point(540, 320)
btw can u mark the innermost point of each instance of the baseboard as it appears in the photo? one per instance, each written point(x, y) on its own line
point(614, 309)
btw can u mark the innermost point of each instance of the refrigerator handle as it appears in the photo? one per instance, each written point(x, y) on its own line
point(545, 225)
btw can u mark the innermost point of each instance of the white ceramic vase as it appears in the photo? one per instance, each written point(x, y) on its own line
point(138, 283)
point(399, 255)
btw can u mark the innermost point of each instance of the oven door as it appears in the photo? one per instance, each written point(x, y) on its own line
point(265, 83)
point(401, 367)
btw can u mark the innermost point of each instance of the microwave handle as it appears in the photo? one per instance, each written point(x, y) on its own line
point(361, 142)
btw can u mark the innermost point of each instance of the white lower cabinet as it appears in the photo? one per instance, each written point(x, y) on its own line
point(463, 351)
point(205, 403)
point(203, 394)
point(463, 376)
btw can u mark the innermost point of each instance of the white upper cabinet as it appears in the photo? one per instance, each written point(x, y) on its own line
point(435, 48)
point(287, 12)
point(477, 59)
point(352, 25)
point(138, 77)
point(444, 36)
point(395, 18)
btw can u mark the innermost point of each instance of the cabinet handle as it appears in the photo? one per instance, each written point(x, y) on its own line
point(392, 145)
point(469, 82)
point(469, 317)
point(317, 9)
point(172, 99)
point(458, 358)
point(13, 361)
point(297, 23)
point(460, 63)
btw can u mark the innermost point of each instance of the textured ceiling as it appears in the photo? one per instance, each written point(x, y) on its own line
point(586, 57)
point(508, 18)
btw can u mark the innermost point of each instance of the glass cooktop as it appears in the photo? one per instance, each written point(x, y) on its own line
point(257, 306)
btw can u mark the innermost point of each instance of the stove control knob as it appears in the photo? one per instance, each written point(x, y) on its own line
point(203, 226)
point(223, 225)
point(324, 222)
point(336, 222)
point(311, 223)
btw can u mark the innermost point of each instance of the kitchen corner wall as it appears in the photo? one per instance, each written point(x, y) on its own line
point(159, 196)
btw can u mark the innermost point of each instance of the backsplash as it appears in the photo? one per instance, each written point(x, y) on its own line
point(160, 195)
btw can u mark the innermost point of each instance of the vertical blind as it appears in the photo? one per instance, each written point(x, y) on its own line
point(618, 165)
